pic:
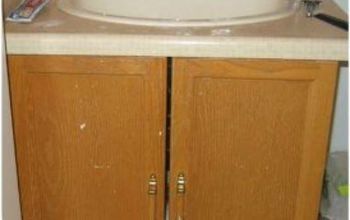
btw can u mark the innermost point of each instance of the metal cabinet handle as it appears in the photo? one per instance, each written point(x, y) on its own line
point(180, 194)
point(152, 192)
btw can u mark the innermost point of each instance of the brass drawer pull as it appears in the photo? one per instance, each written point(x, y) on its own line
point(152, 192)
point(180, 184)
point(152, 185)
point(180, 193)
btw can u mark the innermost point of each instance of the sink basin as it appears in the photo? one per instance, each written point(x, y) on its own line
point(180, 13)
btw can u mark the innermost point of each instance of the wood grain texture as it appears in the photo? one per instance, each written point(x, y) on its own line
point(251, 137)
point(89, 132)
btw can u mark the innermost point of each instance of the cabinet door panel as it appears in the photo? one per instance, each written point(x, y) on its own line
point(88, 135)
point(251, 138)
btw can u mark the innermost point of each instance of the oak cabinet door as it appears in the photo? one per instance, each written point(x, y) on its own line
point(250, 138)
point(89, 133)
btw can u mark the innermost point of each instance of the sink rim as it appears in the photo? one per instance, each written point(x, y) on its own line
point(68, 7)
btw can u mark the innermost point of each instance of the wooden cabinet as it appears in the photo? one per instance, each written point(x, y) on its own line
point(249, 137)
point(89, 133)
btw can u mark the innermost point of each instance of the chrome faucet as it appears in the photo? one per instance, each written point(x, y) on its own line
point(311, 6)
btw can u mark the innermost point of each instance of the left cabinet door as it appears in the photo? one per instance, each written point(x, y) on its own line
point(89, 133)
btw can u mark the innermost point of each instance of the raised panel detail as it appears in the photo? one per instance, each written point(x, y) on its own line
point(247, 144)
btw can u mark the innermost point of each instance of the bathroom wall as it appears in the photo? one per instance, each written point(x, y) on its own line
point(11, 205)
point(339, 136)
point(343, 4)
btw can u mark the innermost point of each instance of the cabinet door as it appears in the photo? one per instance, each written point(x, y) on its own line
point(250, 138)
point(89, 133)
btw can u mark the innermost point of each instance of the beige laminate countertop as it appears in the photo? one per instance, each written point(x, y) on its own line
point(295, 37)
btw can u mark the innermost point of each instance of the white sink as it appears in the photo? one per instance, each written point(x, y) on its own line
point(180, 12)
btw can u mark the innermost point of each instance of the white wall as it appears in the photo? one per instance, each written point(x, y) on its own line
point(343, 4)
point(11, 204)
point(339, 136)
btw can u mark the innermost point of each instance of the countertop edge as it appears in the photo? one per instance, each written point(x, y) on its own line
point(176, 46)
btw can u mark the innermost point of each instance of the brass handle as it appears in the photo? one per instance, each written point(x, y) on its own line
point(152, 192)
point(152, 185)
point(180, 194)
point(180, 189)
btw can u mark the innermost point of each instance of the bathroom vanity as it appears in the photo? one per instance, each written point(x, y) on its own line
point(115, 121)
